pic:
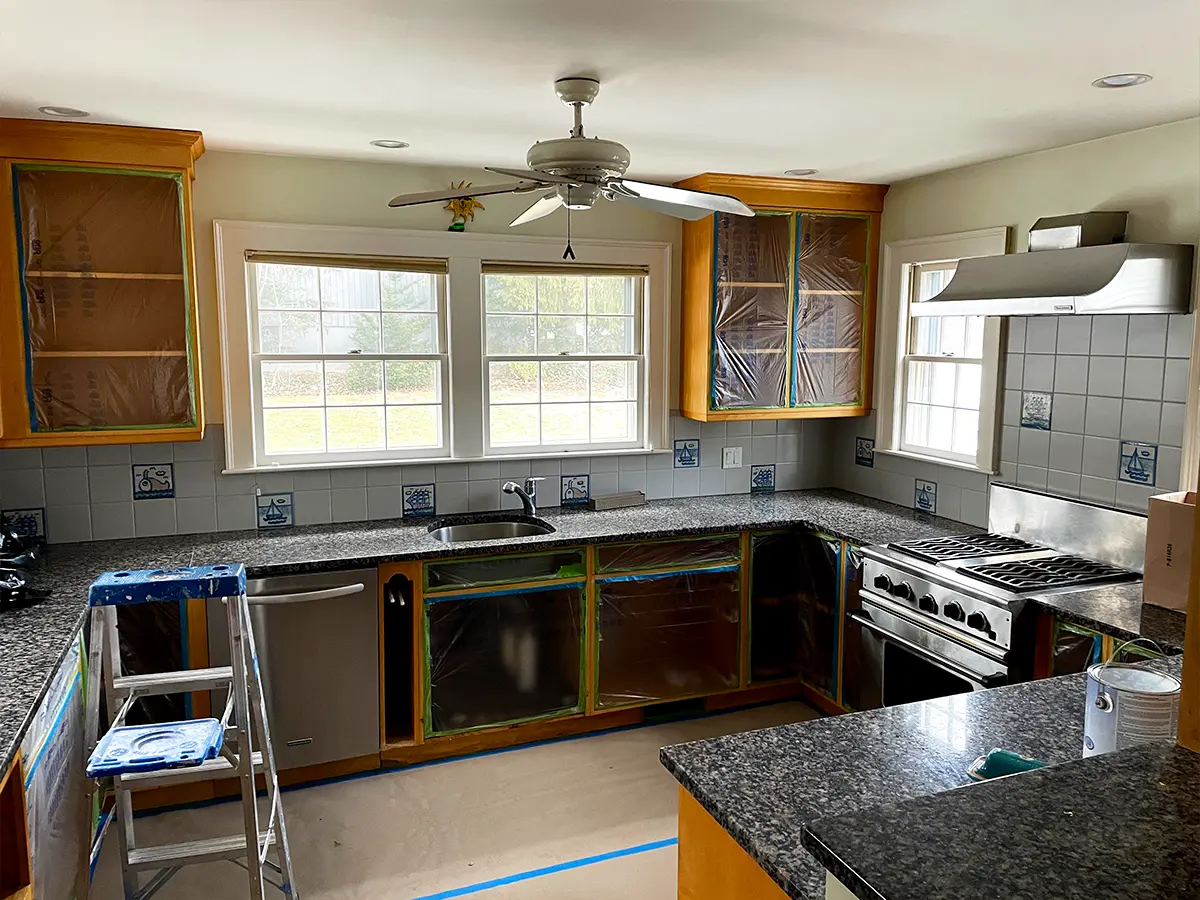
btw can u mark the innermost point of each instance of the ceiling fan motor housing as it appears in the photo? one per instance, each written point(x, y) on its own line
point(590, 158)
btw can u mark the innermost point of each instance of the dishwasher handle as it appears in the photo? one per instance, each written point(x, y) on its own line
point(342, 590)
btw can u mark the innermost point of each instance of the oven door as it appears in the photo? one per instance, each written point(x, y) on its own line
point(904, 660)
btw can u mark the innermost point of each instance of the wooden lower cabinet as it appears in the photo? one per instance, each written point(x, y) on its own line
point(15, 873)
point(711, 864)
point(1065, 648)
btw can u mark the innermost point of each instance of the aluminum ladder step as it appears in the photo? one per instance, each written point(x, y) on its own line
point(181, 682)
point(165, 856)
point(208, 770)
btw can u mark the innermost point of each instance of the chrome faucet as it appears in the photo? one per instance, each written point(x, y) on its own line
point(528, 494)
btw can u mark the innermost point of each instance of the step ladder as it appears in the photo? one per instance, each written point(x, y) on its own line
point(130, 758)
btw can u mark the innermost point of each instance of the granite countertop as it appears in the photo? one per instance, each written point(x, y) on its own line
point(1123, 825)
point(765, 787)
point(1119, 609)
point(33, 640)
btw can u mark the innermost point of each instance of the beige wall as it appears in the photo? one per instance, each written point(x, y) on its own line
point(311, 191)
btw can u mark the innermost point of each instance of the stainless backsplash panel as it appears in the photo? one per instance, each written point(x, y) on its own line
point(1109, 535)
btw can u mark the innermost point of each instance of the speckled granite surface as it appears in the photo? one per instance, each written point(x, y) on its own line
point(33, 640)
point(1124, 825)
point(764, 787)
point(1118, 608)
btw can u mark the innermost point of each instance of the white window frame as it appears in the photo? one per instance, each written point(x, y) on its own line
point(899, 258)
point(464, 254)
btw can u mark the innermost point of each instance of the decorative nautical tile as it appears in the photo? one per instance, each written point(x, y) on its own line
point(925, 498)
point(1035, 410)
point(864, 452)
point(274, 510)
point(153, 481)
point(1139, 463)
point(762, 479)
point(418, 500)
point(575, 489)
point(26, 522)
point(687, 453)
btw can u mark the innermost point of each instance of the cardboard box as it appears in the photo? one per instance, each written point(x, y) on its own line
point(1169, 549)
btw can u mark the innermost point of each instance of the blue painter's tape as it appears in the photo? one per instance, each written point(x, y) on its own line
point(657, 575)
point(550, 870)
point(170, 585)
point(507, 592)
point(58, 718)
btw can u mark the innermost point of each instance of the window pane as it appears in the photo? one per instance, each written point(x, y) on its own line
point(513, 382)
point(292, 384)
point(509, 293)
point(357, 383)
point(294, 430)
point(511, 425)
point(286, 287)
point(970, 380)
point(610, 334)
point(941, 427)
point(349, 332)
point(355, 428)
point(560, 334)
point(932, 282)
point(289, 332)
point(564, 381)
point(560, 294)
point(966, 432)
point(349, 289)
point(614, 422)
point(511, 335)
point(953, 340)
point(614, 380)
point(414, 426)
point(407, 291)
point(565, 423)
point(413, 381)
point(916, 424)
point(930, 382)
point(610, 296)
point(925, 335)
point(975, 336)
point(409, 333)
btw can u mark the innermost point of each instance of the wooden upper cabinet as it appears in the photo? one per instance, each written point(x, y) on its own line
point(779, 309)
point(98, 316)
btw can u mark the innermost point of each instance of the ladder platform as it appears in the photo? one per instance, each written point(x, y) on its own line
point(208, 770)
point(154, 747)
point(168, 585)
point(164, 856)
point(181, 682)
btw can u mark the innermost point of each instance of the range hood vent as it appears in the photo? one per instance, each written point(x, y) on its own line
point(1075, 265)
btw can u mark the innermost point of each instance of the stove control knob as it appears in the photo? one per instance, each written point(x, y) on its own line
point(928, 604)
point(953, 611)
point(904, 591)
point(883, 583)
point(978, 621)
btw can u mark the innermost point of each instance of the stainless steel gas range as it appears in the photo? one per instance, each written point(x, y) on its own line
point(947, 615)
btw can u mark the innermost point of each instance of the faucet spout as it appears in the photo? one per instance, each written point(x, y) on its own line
point(528, 495)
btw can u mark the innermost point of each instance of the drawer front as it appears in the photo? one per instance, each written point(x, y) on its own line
point(463, 574)
point(720, 548)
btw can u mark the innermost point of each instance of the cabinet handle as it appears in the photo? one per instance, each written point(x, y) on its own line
point(305, 596)
point(300, 742)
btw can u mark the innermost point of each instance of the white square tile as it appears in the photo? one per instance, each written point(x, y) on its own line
point(64, 487)
point(710, 452)
point(1143, 378)
point(1147, 335)
point(194, 479)
point(312, 507)
point(973, 508)
point(1033, 448)
point(111, 521)
point(794, 426)
point(1074, 334)
point(1175, 380)
point(684, 428)
point(660, 461)
point(1014, 368)
point(424, 474)
point(1167, 470)
point(1016, 335)
point(1039, 372)
point(307, 480)
point(1101, 457)
point(1140, 420)
point(737, 429)
point(348, 504)
point(1008, 472)
point(236, 485)
point(659, 484)
point(114, 484)
point(383, 501)
point(638, 463)
point(631, 481)
point(789, 477)
point(1067, 413)
point(737, 481)
point(195, 451)
point(1066, 452)
point(1103, 417)
point(108, 455)
point(61, 457)
point(386, 475)
point(1010, 435)
point(1032, 476)
point(762, 449)
point(72, 523)
point(1098, 490)
point(1109, 335)
point(22, 458)
point(1106, 375)
point(235, 513)
point(606, 482)
point(949, 501)
point(712, 430)
point(1179, 336)
point(1042, 337)
point(1064, 484)
point(686, 483)
point(151, 454)
point(601, 464)
point(547, 468)
point(154, 517)
point(1011, 414)
point(273, 482)
point(483, 471)
point(193, 515)
point(1134, 496)
point(483, 495)
point(712, 482)
point(788, 448)
point(347, 478)
point(1170, 428)
point(764, 426)
point(1071, 374)
point(452, 498)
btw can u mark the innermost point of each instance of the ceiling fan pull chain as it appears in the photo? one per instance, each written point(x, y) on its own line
point(569, 253)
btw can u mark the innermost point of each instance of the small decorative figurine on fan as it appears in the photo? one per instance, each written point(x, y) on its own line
point(462, 207)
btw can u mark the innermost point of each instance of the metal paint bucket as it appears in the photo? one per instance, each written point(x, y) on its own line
point(1128, 705)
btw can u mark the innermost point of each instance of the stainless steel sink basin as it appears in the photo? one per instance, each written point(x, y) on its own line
point(491, 530)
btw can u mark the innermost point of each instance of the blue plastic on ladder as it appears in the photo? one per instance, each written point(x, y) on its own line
point(168, 585)
point(150, 748)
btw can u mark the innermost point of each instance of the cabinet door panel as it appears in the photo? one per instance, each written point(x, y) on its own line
point(1075, 648)
point(101, 392)
point(665, 554)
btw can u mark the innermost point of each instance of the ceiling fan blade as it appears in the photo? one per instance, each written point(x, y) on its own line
point(512, 187)
point(532, 175)
point(679, 197)
point(691, 213)
point(543, 207)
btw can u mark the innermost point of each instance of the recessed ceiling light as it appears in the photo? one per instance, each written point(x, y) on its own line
point(800, 173)
point(390, 145)
point(1123, 80)
point(64, 112)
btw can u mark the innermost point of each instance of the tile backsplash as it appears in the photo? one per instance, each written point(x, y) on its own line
point(89, 493)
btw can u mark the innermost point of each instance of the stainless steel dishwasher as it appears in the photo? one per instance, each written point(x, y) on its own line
point(317, 638)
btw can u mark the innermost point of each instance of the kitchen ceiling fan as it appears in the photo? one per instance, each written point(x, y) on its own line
point(580, 171)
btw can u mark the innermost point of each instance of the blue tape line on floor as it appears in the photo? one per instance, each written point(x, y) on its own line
point(550, 870)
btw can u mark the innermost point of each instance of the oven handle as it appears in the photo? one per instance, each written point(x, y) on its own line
point(996, 679)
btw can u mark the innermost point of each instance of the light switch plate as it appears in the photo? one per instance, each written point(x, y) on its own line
point(731, 457)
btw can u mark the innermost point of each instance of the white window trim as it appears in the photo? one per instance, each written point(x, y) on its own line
point(898, 259)
point(465, 253)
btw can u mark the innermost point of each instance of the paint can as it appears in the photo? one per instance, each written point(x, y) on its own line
point(1128, 705)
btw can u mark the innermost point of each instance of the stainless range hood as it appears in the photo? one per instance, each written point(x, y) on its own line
point(1075, 265)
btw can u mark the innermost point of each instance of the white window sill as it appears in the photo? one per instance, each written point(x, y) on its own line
point(937, 460)
point(445, 460)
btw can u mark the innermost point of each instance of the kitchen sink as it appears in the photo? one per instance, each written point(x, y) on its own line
point(491, 530)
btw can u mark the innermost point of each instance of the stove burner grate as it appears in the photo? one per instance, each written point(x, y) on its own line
point(935, 550)
point(1054, 572)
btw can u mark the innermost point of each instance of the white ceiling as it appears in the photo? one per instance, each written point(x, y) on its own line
point(868, 90)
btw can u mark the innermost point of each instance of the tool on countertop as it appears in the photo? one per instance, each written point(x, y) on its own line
point(1000, 763)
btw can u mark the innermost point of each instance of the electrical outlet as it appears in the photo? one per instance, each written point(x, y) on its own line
point(731, 457)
